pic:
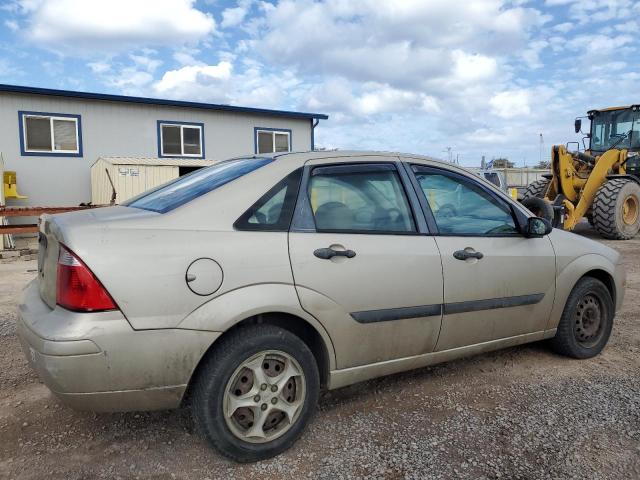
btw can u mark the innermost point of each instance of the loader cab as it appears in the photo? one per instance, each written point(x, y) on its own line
point(617, 127)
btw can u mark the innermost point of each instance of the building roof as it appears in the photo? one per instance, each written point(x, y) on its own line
point(158, 101)
point(177, 162)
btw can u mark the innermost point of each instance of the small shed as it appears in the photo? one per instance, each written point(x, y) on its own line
point(132, 176)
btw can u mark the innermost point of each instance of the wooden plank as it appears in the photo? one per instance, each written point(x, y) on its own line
point(36, 211)
point(16, 229)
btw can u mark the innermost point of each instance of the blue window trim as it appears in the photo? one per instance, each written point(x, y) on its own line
point(172, 122)
point(266, 129)
point(23, 151)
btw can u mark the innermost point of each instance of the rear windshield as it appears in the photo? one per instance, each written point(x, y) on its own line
point(186, 188)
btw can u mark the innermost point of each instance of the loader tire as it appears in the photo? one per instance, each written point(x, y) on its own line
point(536, 189)
point(539, 207)
point(616, 209)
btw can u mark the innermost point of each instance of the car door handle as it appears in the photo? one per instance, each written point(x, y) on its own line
point(329, 253)
point(465, 254)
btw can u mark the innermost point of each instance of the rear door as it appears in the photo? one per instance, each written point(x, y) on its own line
point(361, 261)
point(497, 283)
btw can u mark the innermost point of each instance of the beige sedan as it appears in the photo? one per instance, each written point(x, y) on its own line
point(246, 288)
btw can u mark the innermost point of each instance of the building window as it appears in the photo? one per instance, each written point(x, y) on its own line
point(50, 134)
point(178, 139)
point(271, 140)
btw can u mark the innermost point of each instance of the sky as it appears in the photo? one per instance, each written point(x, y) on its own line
point(471, 77)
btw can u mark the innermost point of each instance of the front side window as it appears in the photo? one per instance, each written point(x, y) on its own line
point(359, 199)
point(188, 187)
point(461, 207)
point(181, 139)
point(272, 141)
point(50, 134)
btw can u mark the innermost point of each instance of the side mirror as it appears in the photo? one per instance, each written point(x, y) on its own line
point(577, 125)
point(537, 227)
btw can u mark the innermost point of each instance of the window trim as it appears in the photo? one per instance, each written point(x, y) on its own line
point(22, 118)
point(431, 221)
point(304, 220)
point(174, 123)
point(273, 131)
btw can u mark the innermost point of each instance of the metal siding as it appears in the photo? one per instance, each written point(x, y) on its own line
point(118, 129)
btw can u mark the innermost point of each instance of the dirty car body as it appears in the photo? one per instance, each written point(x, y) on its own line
point(352, 256)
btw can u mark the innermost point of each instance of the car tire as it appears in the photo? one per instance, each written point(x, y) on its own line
point(234, 388)
point(587, 320)
point(536, 189)
point(539, 207)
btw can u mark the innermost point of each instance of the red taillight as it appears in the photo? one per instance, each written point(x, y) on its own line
point(77, 287)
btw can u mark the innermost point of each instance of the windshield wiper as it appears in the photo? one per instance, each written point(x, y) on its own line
point(622, 136)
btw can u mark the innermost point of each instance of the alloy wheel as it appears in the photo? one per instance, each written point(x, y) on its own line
point(264, 396)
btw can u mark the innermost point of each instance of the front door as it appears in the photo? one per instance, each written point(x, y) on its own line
point(497, 283)
point(360, 263)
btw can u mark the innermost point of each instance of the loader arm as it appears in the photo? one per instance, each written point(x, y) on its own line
point(588, 188)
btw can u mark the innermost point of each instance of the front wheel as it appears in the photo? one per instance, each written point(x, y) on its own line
point(256, 393)
point(587, 320)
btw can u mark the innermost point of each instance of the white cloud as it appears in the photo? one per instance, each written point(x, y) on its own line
point(563, 27)
point(99, 67)
point(145, 62)
point(400, 43)
point(473, 67)
point(12, 25)
point(130, 81)
point(510, 104)
point(114, 25)
point(232, 17)
point(179, 82)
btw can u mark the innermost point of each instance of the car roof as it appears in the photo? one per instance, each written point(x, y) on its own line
point(345, 156)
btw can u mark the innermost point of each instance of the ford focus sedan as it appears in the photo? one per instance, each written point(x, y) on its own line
point(246, 288)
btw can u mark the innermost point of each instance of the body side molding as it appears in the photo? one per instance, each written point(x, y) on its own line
point(387, 314)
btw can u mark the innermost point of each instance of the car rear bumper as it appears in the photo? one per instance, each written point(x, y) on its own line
point(96, 361)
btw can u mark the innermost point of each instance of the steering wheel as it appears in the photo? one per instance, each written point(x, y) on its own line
point(447, 211)
point(391, 217)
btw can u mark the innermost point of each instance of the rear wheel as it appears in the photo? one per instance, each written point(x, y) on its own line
point(256, 393)
point(586, 322)
point(616, 209)
point(536, 189)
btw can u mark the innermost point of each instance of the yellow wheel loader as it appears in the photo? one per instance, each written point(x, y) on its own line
point(601, 183)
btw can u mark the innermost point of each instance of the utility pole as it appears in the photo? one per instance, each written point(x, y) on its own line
point(448, 149)
point(541, 147)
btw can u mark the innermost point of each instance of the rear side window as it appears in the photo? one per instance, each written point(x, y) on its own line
point(274, 210)
point(191, 186)
point(360, 199)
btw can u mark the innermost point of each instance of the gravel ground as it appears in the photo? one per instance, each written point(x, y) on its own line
point(517, 413)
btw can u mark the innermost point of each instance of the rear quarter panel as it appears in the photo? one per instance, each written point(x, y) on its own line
point(141, 257)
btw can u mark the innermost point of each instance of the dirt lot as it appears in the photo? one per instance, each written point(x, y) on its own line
point(518, 413)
